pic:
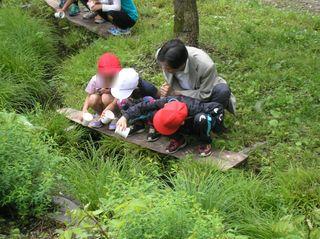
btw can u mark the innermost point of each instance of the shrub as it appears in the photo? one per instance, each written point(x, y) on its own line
point(27, 172)
point(27, 57)
point(163, 214)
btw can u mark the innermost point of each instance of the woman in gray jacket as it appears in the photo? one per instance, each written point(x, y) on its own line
point(190, 71)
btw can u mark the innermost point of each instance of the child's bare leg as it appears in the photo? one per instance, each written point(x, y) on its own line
point(95, 102)
point(106, 99)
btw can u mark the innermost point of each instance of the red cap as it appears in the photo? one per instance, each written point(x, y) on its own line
point(168, 120)
point(109, 64)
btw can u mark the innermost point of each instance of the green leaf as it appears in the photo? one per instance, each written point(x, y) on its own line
point(273, 123)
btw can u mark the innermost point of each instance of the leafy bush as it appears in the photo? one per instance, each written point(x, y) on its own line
point(162, 215)
point(27, 57)
point(27, 172)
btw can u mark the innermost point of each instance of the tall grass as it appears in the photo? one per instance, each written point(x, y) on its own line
point(27, 58)
point(99, 169)
point(255, 206)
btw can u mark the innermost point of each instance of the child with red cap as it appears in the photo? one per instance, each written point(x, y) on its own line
point(98, 89)
point(175, 115)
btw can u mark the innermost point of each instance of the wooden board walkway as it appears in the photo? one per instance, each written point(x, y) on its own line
point(223, 159)
point(100, 29)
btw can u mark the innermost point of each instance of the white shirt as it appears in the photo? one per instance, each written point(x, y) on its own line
point(111, 5)
point(183, 77)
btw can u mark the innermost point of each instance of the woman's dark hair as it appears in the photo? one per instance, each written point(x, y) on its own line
point(174, 53)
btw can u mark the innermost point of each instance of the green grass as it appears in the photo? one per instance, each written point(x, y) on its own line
point(255, 206)
point(271, 60)
point(27, 59)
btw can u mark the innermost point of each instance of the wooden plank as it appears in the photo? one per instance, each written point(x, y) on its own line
point(100, 29)
point(223, 159)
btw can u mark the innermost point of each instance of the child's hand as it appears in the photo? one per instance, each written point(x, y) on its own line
point(165, 90)
point(122, 123)
point(96, 7)
point(102, 91)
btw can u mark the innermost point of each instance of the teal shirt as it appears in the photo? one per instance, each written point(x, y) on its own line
point(130, 8)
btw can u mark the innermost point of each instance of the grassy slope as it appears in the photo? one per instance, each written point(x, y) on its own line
point(27, 52)
point(269, 57)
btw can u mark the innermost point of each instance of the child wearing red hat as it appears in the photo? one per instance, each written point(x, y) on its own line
point(175, 115)
point(98, 89)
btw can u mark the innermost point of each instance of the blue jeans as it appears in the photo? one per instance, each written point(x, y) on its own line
point(145, 88)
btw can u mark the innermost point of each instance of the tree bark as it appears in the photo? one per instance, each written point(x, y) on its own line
point(186, 21)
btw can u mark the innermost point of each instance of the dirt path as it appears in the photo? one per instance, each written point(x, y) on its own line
point(307, 5)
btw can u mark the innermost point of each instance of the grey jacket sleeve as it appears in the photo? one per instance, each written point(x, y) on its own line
point(207, 81)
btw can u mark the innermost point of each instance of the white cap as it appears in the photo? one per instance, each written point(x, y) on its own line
point(125, 83)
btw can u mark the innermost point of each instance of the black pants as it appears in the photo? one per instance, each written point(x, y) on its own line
point(118, 18)
point(221, 94)
point(200, 126)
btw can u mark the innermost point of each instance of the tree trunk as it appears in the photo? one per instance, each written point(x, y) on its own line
point(186, 21)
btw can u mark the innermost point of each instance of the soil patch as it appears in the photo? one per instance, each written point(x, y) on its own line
point(305, 5)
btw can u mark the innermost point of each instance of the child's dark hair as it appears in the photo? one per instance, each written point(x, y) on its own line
point(174, 53)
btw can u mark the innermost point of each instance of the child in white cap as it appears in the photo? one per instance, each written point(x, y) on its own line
point(129, 89)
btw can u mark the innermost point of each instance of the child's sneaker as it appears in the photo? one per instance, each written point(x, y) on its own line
point(205, 150)
point(95, 124)
point(89, 15)
point(117, 31)
point(96, 115)
point(175, 145)
point(113, 124)
point(74, 10)
point(137, 129)
point(99, 20)
point(153, 135)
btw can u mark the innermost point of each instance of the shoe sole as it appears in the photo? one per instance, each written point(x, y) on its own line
point(205, 155)
point(153, 140)
point(137, 132)
point(180, 147)
point(99, 22)
point(119, 34)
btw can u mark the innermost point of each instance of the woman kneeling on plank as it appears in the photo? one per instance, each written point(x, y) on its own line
point(122, 14)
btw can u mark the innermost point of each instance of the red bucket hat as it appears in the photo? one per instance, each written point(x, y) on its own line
point(109, 64)
point(168, 120)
